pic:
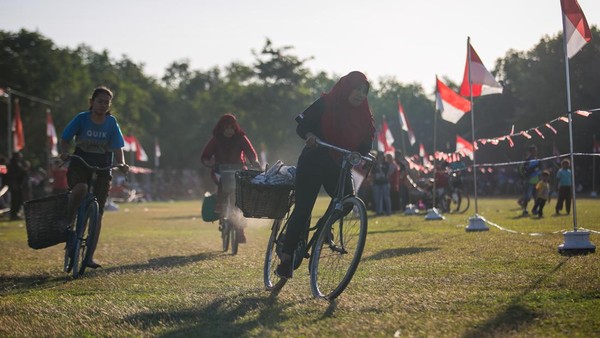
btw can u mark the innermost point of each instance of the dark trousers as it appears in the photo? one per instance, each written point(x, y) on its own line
point(564, 196)
point(16, 202)
point(315, 168)
point(539, 206)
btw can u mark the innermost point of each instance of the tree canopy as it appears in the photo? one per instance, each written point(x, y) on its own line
point(181, 108)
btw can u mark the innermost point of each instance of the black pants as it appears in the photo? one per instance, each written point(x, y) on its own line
point(564, 196)
point(16, 202)
point(539, 206)
point(315, 168)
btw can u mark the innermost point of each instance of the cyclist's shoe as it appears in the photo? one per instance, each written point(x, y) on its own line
point(284, 269)
point(92, 264)
point(241, 237)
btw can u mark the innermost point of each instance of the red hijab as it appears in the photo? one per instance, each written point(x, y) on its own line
point(343, 124)
point(227, 120)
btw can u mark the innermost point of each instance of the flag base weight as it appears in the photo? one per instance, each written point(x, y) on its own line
point(576, 243)
point(433, 215)
point(476, 223)
point(410, 209)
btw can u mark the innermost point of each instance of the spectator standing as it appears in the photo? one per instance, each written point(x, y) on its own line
point(381, 185)
point(564, 187)
point(16, 177)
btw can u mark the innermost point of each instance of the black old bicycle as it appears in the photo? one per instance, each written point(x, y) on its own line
point(337, 241)
point(85, 233)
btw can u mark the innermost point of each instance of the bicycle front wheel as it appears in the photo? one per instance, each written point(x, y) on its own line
point(86, 236)
point(338, 249)
point(272, 281)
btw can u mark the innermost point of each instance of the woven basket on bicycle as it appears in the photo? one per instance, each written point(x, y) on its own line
point(42, 220)
point(261, 200)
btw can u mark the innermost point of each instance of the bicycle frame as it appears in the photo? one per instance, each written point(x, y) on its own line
point(335, 206)
point(88, 204)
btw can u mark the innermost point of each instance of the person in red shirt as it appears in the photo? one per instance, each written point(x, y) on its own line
point(59, 178)
point(228, 148)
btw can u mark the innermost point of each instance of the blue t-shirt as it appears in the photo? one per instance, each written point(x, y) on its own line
point(94, 142)
point(564, 177)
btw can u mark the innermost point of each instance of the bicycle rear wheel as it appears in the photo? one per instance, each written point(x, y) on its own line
point(225, 234)
point(233, 239)
point(461, 202)
point(272, 281)
point(86, 234)
point(337, 252)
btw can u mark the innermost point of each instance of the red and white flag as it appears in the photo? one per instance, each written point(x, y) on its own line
point(132, 144)
point(576, 31)
point(464, 147)
point(51, 134)
point(17, 129)
point(385, 139)
point(404, 124)
point(482, 81)
point(451, 105)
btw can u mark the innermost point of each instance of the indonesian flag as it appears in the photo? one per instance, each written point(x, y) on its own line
point(464, 147)
point(451, 105)
point(17, 129)
point(482, 81)
point(132, 144)
point(385, 139)
point(51, 134)
point(575, 28)
point(404, 124)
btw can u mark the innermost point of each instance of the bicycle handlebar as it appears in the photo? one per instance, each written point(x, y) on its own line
point(95, 167)
point(368, 158)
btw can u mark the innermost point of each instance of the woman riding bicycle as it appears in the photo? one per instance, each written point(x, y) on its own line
point(98, 139)
point(229, 146)
point(342, 118)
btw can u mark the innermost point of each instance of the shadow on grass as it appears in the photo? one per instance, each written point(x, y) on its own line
point(162, 262)
point(174, 218)
point(388, 231)
point(11, 285)
point(515, 316)
point(389, 253)
point(219, 318)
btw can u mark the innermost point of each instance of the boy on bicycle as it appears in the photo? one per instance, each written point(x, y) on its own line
point(98, 139)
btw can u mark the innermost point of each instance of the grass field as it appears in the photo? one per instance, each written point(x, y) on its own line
point(164, 275)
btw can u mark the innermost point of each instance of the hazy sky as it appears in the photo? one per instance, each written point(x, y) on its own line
point(411, 40)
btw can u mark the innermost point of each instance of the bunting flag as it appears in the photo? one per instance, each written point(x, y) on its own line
point(132, 144)
point(449, 103)
point(576, 31)
point(482, 81)
point(405, 126)
point(156, 152)
point(464, 147)
point(17, 129)
point(51, 134)
point(385, 139)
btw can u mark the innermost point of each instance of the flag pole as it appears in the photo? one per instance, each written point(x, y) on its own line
point(594, 193)
point(575, 241)
point(570, 115)
point(433, 213)
point(476, 223)
point(9, 123)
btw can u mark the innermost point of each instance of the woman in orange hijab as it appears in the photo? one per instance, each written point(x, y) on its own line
point(343, 118)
